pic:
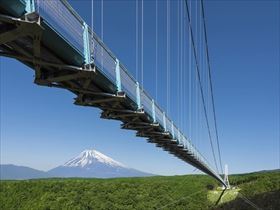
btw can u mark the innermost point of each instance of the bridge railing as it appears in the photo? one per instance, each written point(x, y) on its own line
point(159, 114)
point(169, 125)
point(103, 59)
point(147, 102)
point(62, 18)
point(129, 84)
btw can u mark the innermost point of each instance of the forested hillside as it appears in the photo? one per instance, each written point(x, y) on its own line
point(177, 192)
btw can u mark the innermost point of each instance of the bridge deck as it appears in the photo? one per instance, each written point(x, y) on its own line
point(49, 37)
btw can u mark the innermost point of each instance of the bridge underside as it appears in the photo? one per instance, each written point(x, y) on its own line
point(25, 39)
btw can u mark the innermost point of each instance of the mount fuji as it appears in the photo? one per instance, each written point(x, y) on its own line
point(91, 163)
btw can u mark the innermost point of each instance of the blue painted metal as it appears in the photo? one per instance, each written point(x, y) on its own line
point(164, 121)
point(172, 130)
point(187, 144)
point(62, 18)
point(138, 97)
point(184, 142)
point(87, 55)
point(118, 76)
point(153, 111)
point(29, 6)
point(179, 137)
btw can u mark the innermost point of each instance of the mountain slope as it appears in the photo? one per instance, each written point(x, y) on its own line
point(9, 171)
point(90, 157)
point(91, 163)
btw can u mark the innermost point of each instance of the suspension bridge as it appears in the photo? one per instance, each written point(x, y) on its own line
point(63, 50)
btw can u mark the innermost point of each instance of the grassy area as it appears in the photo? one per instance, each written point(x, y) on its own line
point(177, 192)
point(229, 195)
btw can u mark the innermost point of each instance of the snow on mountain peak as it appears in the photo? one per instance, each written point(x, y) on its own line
point(90, 157)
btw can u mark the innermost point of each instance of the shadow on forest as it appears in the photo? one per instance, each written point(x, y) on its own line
point(265, 201)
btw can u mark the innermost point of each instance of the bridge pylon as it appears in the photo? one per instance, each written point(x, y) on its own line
point(226, 178)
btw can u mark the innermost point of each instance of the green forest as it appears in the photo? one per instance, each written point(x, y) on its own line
point(159, 192)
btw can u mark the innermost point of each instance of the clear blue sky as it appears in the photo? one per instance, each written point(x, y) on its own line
point(41, 128)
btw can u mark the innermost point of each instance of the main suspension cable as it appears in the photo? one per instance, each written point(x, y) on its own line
point(200, 84)
point(211, 86)
point(190, 84)
point(244, 198)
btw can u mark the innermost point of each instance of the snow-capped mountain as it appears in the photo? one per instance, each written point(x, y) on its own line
point(89, 157)
point(91, 163)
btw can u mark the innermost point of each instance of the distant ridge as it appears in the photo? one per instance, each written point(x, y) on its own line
point(262, 171)
point(88, 164)
point(10, 171)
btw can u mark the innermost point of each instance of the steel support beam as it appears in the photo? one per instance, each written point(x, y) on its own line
point(172, 130)
point(164, 121)
point(68, 76)
point(118, 76)
point(40, 61)
point(29, 6)
point(23, 29)
point(103, 100)
point(138, 96)
point(87, 55)
point(153, 111)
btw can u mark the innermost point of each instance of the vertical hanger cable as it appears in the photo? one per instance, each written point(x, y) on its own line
point(136, 39)
point(142, 46)
point(156, 50)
